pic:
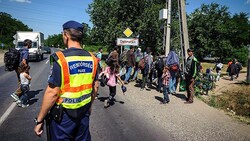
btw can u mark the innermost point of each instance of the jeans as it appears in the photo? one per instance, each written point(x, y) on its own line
point(144, 75)
point(172, 82)
point(129, 70)
point(165, 93)
point(24, 97)
point(159, 80)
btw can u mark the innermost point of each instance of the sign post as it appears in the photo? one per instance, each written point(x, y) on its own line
point(127, 41)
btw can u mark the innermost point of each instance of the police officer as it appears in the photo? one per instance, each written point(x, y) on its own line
point(71, 89)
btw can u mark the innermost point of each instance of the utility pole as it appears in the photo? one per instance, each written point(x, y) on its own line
point(167, 45)
point(248, 66)
point(183, 31)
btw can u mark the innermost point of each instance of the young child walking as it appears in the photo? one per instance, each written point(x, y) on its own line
point(25, 82)
point(165, 83)
point(112, 74)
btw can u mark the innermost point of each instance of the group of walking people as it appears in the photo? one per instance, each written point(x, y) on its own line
point(161, 70)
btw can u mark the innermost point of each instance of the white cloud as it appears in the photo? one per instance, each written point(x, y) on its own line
point(248, 2)
point(22, 1)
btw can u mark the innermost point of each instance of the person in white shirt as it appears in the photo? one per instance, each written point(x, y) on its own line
point(25, 79)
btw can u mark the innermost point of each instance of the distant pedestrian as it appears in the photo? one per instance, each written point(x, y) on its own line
point(190, 74)
point(232, 69)
point(173, 63)
point(138, 56)
point(99, 56)
point(145, 71)
point(239, 68)
point(130, 64)
point(218, 66)
point(25, 79)
point(165, 83)
point(160, 63)
point(113, 57)
point(112, 73)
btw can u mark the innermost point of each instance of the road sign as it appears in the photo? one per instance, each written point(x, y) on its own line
point(127, 41)
point(127, 32)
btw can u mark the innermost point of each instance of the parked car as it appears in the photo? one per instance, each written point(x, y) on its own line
point(47, 50)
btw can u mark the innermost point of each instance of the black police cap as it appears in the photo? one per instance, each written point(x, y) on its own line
point(74, 25)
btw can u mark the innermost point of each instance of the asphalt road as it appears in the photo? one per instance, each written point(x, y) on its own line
point(136, 116)
point(115, 123)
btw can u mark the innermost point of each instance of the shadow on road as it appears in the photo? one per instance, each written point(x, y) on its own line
point(102, 99)
point(32, 94)
point(159, 98)
point(181, 96)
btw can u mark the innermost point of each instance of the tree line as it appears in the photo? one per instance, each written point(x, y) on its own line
point(8, 28)
point(213, 30)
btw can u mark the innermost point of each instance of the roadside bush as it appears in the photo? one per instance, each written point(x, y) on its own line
point(236, 100)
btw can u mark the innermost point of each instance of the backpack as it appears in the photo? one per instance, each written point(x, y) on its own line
point(219, 65)
point(239, 66)
point(103, 80)
point(97, 54)
point(159, 64)
point(12, 59)
point(174, 67)
point(141, 63)
point(109, 59)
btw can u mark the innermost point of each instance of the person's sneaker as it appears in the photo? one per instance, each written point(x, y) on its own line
point(25, 105)
point(147, 88)
point(106, 103)
point(19, 104)
point(14, 96)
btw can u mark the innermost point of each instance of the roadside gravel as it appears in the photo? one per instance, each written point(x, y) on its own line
point(196, 121)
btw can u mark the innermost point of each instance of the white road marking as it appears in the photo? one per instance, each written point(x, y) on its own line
point(7, 113)
point(47, 62)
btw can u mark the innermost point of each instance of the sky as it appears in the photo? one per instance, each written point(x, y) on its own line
point(48, 16)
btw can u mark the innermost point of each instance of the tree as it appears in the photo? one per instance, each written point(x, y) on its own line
point(214, 32)
point(55, 41)
point(111, 17)
point(8, 28)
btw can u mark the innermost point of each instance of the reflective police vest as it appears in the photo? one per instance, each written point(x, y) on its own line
point(77, 75)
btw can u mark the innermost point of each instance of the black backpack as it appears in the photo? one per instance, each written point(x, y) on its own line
point(159, 64)
point(11, 59)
